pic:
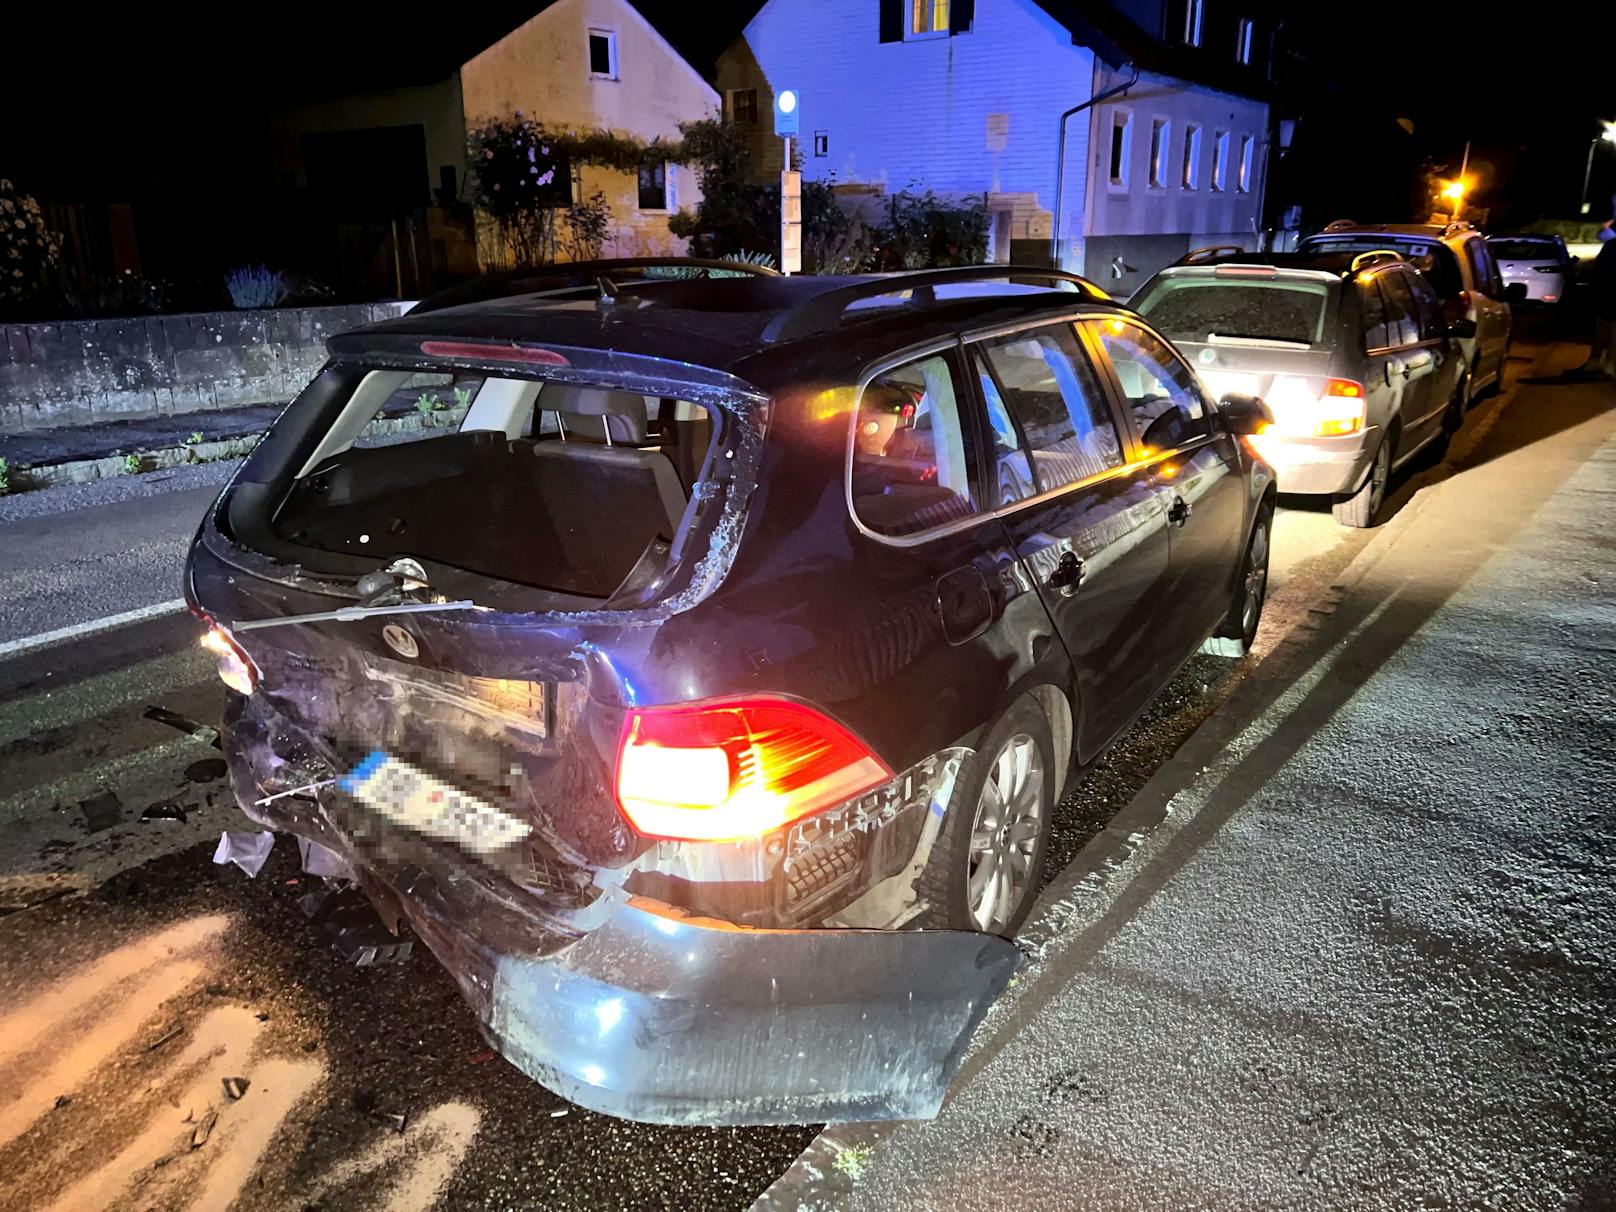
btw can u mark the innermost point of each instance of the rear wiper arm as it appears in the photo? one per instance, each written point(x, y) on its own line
point(349, 614)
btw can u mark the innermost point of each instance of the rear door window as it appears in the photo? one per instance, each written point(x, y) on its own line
point(912, 453)
point(1160, 389)
point(1049, 418)
point(1402, 321)
point(1428, 308)
point(1375, 334)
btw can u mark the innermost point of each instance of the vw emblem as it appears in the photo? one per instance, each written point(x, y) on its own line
point(401, 641)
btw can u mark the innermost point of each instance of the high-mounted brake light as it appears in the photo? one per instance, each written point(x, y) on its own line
point(488, 351)
point(236, 668)
point(731, 769)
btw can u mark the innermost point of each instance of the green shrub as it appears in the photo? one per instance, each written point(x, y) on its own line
point(5, 478)
point(133, 464)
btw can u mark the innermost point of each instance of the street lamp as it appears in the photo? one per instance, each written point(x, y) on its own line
point(1608, 135)
point(1454, 192)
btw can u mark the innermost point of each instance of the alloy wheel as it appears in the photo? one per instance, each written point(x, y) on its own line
point(1004, 834)
point(1256, 580)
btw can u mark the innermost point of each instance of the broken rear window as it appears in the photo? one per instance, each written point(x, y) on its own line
point(552, 485)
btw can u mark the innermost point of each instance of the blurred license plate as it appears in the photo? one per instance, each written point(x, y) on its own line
point(416, 800)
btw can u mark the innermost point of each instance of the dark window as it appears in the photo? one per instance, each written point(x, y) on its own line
point(603, 53)
point(1433, 324)
point(1162, 392)
point(1121, 120)
point(1484, 268)
point(1402, 314)
point(654, 187)
point(1243, 38)
point(912, 456)
point(1374, 316)
point(1194, 19)
point(1527, 250)
point(1432, 258)
point(1043, 397)
point(1192, 157)
point(743, 104)
point(821, 143)
point(1159, 128)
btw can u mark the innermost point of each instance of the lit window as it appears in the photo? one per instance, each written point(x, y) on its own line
point(1242, 39)
point(1192, 157)
point(743, 105)
point(1194, 17)
point(1248, 154)
point(928, 17)
point(1220, 160)
point(603, 54)
point(1160, 130)
point(1121, 123)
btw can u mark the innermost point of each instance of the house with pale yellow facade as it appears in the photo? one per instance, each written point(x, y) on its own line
point(387, 167)
point(583, 65)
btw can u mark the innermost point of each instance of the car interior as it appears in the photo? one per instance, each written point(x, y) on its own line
point(553, 485)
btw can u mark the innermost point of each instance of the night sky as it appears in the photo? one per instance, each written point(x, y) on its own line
point(88, 96)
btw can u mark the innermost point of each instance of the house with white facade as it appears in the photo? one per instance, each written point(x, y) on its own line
point(1108, 139)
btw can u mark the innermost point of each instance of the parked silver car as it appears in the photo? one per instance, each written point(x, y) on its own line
point(1455, 261)
point(1542, 264)
point(1353, 354)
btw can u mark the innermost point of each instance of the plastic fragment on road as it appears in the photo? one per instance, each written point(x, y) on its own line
point(199, 1137)
point(204, 734)
point(247, 850)
point(234, 1087)
point(101, 811)
point(355, 928)
point(164, 810)
point(322, 861)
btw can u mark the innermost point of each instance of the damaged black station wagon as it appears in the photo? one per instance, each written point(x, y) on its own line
point(698, 675)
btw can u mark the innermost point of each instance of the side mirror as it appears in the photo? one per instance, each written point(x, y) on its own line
point(1244, 416)
point(1515, 292)
point(1463, 329)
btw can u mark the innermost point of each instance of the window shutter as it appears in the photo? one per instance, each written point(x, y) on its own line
point(892, 20)
point(961, 14)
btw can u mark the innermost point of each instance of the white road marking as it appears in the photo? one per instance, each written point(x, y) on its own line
point(78, 630)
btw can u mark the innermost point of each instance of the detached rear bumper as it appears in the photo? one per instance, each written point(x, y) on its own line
point(669, 1019)
point(634, 1008)
point(1319, 466)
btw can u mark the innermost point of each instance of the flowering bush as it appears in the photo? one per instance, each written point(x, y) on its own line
point(28, 249)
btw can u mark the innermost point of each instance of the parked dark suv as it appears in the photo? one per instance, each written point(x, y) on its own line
point(695, 664)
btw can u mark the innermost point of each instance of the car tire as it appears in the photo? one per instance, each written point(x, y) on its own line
point(1238, 630)
point(980, 838)
point(1358, 509)
point(1452, 420)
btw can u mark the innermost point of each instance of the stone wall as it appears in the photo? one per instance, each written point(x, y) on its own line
point(82, 371)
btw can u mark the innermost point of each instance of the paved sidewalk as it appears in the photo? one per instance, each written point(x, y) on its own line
point(1368, 960)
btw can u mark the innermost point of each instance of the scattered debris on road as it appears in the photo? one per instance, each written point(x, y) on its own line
point(162, 1039)
point(355, 928)
point(208, 770)
point(101, 811)
point(234, 1087)
point(204, 733)
point(203, 1130)
point(164, 810)
point(246, 849)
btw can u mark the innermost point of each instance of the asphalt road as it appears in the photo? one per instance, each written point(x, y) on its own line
point(115, 930)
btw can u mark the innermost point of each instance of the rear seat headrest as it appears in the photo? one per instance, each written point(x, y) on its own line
point(627, 418)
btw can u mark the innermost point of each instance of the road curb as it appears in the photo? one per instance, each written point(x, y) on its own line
point(824, 1175)
point(26, 477)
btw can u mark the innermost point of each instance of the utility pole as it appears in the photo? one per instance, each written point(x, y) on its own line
point(787, 104)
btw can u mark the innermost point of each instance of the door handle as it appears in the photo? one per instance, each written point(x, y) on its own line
point(1179, 511)
point(1068, 575)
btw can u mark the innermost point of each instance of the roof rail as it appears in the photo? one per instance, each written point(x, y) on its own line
point(1374, 256)
point(1339, 225)
point(1458, 225)
point(1196, 255)
point(823, 312)
point(576, 275)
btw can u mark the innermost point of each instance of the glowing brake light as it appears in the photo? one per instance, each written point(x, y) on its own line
point(736, 768)
point(236, 668)
point(489, 351)
point(1343, 387)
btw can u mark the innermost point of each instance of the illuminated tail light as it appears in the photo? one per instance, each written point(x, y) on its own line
point(1344, 388)
point(736, 768)
point(236, 668)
